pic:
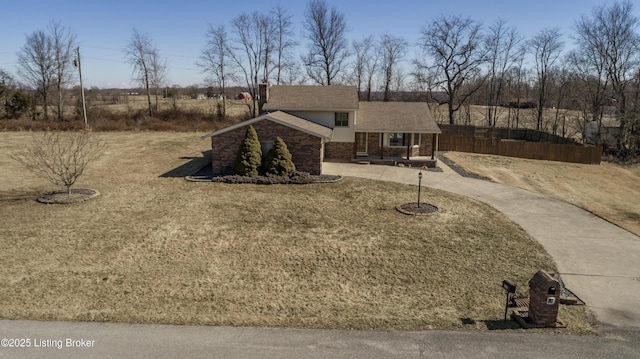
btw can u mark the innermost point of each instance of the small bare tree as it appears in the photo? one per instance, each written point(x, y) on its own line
point(60, 157)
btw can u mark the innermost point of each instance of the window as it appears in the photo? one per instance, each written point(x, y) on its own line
point(416, 139)
point(397, 139)
point(342, 119)
point(266, 146)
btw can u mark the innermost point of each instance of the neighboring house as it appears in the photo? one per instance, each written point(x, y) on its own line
point(244, 96)
point(328, 122)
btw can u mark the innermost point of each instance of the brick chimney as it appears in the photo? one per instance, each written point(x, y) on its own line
point(263, 93)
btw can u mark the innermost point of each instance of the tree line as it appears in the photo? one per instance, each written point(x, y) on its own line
point(460, 62)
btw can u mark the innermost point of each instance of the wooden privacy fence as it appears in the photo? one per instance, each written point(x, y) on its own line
point(568, 151)
point(523, 134)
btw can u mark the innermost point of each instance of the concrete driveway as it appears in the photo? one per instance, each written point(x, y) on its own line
point(598, 261)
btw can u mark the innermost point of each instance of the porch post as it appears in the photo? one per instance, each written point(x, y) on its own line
point(433, 145)
point(355, 147)
point(381, 145)
point(408, 137)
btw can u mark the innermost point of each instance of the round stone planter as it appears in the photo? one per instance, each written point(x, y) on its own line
point(62, 197)
point(413, 209)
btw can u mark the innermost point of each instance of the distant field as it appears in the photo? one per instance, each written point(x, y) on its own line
point(154, 248)
point(138, 102)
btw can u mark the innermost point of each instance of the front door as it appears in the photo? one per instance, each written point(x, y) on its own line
point(361, 140)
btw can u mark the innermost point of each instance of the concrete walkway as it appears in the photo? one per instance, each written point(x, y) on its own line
point(598, 261)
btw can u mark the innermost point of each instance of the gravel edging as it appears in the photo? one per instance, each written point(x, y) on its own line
point(459, 169)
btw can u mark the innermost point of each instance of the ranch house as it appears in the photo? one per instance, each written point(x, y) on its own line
point(321, 123)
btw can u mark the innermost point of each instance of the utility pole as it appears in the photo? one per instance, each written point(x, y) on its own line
point(79, 66)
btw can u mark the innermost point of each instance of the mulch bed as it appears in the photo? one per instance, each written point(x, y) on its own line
point(413, 209)
point(63, 197)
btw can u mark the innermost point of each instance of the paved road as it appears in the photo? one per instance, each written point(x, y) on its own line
point(599, 261)
point(158, 341)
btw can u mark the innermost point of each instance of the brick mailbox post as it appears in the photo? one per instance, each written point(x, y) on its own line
point(544, 297)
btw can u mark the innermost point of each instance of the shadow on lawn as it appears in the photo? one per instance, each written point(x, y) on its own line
point(19, 195)
point(493, 324)
point(189, 168)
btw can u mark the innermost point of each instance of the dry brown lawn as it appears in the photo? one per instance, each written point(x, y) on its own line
point(159, 249)
point(608, 190)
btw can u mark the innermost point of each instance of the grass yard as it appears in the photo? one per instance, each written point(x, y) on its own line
point(608, 190)
point(159, 249)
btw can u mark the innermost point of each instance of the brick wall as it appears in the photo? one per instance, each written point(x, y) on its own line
point(338, 150)
point(306, 149)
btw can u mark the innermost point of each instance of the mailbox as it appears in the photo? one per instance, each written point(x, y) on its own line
point(508, 286)
point(544, 296)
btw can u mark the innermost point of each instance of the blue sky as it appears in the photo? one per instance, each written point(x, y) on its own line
point(177, 28)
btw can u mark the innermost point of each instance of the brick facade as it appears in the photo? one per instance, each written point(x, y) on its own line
point(338, 150)
point(306, 150)
point(425, 148)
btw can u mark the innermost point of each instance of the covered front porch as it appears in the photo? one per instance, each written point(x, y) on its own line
point(395, 147)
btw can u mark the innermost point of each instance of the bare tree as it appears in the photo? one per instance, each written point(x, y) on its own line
point(36, 66)
point(502, 43)
point(328, 48)
point(284, 41)
point(215, 62)
point(517, 85)
point(158, 78)
point(454, 43)
point(392, 50)
point(365, 65)
point(559, 81)
point(7, 85)
point(608, 45)
point(250, 50)
point(60, 157)
point(139, 52)
point(63, 42)
point(546, 47)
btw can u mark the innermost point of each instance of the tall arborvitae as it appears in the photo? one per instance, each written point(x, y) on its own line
point(278, 160)
point(249, 156)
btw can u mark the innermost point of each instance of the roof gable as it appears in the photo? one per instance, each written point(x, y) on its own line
point(312, 98)
point(285, 119)
point(396, 117)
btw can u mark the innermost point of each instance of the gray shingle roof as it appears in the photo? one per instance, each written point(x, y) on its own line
point(408, 117)
point(312, 98)
point(286, 119)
